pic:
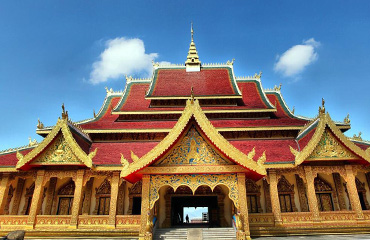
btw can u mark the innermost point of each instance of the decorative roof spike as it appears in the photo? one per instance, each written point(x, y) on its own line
point(94, 113)
point(230, 63)
point(192, 62)
point(347, 120)
point(40, 125)
point(64, 112)
point(32, 142)
point(293, 110)
point(357, 137)
point(322, 108)
point(276, 88)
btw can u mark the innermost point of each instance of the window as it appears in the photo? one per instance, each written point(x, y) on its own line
point(285, 203)
point(252, 204)
point(65, 205)
point(104, 203)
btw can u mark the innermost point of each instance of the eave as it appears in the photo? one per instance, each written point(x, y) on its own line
point(205, 111)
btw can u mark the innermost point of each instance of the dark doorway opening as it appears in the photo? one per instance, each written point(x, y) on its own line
point(178, 204)
point(136, 205)
point(362, 201)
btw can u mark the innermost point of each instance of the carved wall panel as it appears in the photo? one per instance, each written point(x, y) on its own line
point(362, 193)
point(253, 196)
point(121, 199)
point(65, 198)
point(193, 149)
point(8, 199)
point(18, 196)
point(339, 191)
point(134, 191)
point(324, 194)
point(102, 201)
point(28, 199)
point(286, 195)
point(266, 190)
point(87, 196)
point(302, 193)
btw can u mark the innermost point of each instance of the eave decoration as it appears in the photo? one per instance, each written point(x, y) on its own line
point(58, 148)
point(194, 111)
point(329, 142)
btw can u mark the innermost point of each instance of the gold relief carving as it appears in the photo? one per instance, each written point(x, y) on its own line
point(3, 186)
point(87, 197)
point(62, 127)
point(128, 221)
point(338, 216)
point(103, 191)
point(362, 190)
point(13, 221)
point(134, 191)
point(296, 217)
point(28, 198)
point(36, 198)
point(50, 195)
point(52, 221)
point(253, 190)
point(18, 195)
point(8, 199)
point(353, 193)
point(266, 219)
point(59, 174)
point(58, 152)
point(286, 195)
point(93, 221)
point(325, 123)
point(194, 111)
point(97, 174)
point(329, 148)
point(301, 193)
point(181, 169)
point(242, 208)
point(339, 190)
point(193, 182)
point(192, 149)
point(311, 194)
point(145, 205)
point(113, 200)
point(77, 197)
point(275, 203)
point(266, 190)
point(121, 198)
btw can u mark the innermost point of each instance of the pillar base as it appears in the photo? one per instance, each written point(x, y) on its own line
point(278, 223)
point(72, 227)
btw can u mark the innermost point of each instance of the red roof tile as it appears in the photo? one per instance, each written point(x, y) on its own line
point(178, 82)
point(10, 159)
point(251, 94)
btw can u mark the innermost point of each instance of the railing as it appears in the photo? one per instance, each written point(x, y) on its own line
point(128, 221)
point(366, 214)
point(293, 217)
point(13, 222)
point(338, 216)
point(52, 221)
point(261, 219)
point(92, 221)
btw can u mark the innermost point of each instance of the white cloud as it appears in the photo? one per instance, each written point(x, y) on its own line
point(122, 57)
point(294, 60)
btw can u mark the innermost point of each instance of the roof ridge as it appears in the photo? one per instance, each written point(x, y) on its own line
point(32, 144)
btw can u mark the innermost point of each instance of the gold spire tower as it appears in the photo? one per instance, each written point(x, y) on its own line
point(192, 62)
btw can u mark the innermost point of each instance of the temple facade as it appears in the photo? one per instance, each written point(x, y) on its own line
point(192, 135)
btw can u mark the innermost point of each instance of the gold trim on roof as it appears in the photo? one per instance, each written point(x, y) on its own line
point(205, 111)
point(324, 122)
point(194, 110)
point(61, 126)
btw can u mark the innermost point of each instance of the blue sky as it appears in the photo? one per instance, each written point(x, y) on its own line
point(48, 50)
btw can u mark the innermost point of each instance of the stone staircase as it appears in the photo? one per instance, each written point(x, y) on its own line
point(194, 234)
point(170, 234)
point(219, 234)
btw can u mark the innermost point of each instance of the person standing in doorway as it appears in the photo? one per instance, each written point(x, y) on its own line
point(187, 218)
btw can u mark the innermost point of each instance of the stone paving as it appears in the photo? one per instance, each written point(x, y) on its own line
point(319, 237)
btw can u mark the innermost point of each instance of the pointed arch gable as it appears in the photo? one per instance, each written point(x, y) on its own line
point(326, 130)
point(194, 111)
point(60, 141)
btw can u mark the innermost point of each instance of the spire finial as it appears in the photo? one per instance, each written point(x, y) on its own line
point(192, 32)
point(322, 108)
point(192, 62)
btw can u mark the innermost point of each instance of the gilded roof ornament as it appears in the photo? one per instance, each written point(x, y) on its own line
point(322, 108)
point(262, 159)
point(40, 125)
point(258, 76)
point(293, 110)
point(94, 113)
point(32, 142)
point(134, 157)
point(230, 63)
point(109, 90)
point(347, 120)
point(357, 137)
point(277, 88)
point(124, 162)
point(64, 112)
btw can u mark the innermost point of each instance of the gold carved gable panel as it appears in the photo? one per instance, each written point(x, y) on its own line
point(193, 149)
point(329, 148)
point(58, 152)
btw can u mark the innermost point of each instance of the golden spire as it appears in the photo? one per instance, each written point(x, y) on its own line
point(192, 62)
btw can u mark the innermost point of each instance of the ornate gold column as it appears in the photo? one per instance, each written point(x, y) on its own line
point(352, 192)
point(50, 195)
point(36, 199)
point(18, 195)
point(113, 199)
point(3, 193)
point(145, 211)
point(242, 192)
point(77, 198)
point(275, 203)
point(338, 187)
point(311, 194)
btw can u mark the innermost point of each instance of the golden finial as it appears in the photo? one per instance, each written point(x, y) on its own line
point(276, 88)
point(40, 125)
point(357, 137)
point(192, 32)
point(192, 62)
point(192, 95)
point(94, 114)
point(293, 110)
point(64, 112)
point(31, 142)
point(322, 108)
point(347, 120)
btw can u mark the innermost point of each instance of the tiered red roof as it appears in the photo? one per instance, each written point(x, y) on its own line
point(207, 82)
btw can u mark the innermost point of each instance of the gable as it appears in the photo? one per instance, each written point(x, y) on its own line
point(329, 148)
point(58, 152)
point(193, 149)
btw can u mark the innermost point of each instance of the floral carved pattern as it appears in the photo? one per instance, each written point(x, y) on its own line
point(193, 149)
point(193, 182)
point(58, 152)
point(330, 147)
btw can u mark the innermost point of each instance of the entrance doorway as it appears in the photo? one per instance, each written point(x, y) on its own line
point(187, 205)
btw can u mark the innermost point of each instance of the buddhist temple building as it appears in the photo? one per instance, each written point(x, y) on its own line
point(192, 135)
